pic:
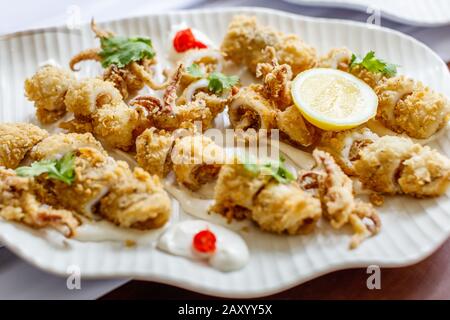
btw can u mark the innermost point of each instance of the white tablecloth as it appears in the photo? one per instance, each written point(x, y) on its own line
point(19, 280)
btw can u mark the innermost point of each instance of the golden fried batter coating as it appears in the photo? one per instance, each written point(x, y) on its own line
point(166, 115)
point(295, 127)
point(214, 103)
point(198, 91)
point(249, 109)
point(196, 160)
point(98, 108)
point(426, 174)
point(115, 125)
point(277, 208)
point(336, 58)
point(102, 186)
point(379, 164)
point(406, 106)
point(84, 97)
point(365, 222)
point(47, 88)
point(340, 58)
point(175, 117)
point(95, 174)
point(246, 39)
point(153, 149)
point(345, 145)
point(276, 81)
point(16, 140)
point(335, 190)
point(19, 203)
point(285, 208)
point(235, 191)
point(328, 183)
point(57, 145)
point(395, 165)
point(137, 201)
point(127, 80)
point(124, 80)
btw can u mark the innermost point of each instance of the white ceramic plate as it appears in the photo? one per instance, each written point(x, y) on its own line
point(415, 12)
point(412, 229)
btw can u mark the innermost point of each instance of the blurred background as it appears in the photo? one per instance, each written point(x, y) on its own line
point(18, 280)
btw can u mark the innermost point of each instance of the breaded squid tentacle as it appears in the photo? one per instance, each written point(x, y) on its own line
point(89, 54)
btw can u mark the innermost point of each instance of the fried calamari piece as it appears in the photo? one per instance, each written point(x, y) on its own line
point(95, 173)
point(327, 182)
point(98, 108)
point(425, 174)
point(196, 160)
point(138, 200)
point(395, 165)
point(380, 163)
point(166, 115)
point(365, 223)
point(246, 39)
point(104, 187)
point(57, 145)
point(335, 189)
point(336, 58)
point(153, 151)
point(85, 97)
point(198, 91)
point(345, 145)
point(129, 79)
point(208, 61)
point(116, 124)
point(250, 110)
point(285, 208)
point(296, 128)
point(276, 81)
point(19, 203)
point(215, 104)
point(340, 58)
point(17, 139)
point(274, 207)
point(178, 117)
point(407, 106)
point(47, 88)
point(236, 190)
point(124, 79)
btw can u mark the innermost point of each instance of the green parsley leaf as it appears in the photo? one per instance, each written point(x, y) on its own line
point(195, 71)
point(252, 168)
point(218, 82)
point(62, 169)
point(120, 51)
point(277, 170)
point(373, 64)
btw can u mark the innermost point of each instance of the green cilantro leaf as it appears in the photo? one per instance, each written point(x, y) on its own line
point(373, 64)
point(62, 169)
point(218, 82)
point(195, 71)
point(120, 51)
point(277, 170)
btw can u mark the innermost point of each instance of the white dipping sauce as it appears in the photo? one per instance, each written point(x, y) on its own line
point(197, 204)
point(231, 250)
point(200, 36)
point(100, 231)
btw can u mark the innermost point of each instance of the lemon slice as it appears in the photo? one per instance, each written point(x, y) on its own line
point(332, 99)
